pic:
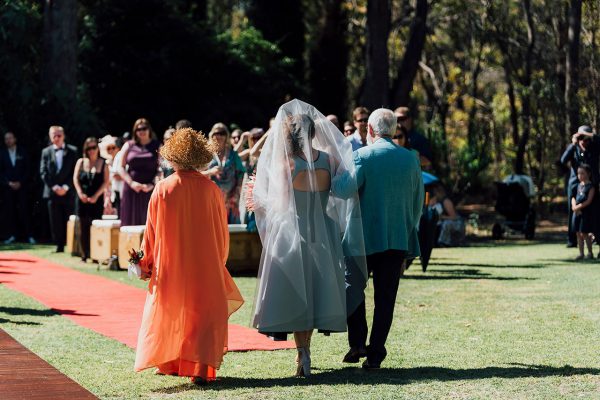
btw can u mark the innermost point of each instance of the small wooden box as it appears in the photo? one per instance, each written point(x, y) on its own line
point(104, 239)
point(73, 232)
point(130, 237)
point(245, 249)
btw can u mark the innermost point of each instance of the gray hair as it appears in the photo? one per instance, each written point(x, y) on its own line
point(383, 122)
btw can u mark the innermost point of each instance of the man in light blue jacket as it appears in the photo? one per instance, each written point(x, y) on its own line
point(391, 198)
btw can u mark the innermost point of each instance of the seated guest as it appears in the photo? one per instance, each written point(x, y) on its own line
point(190, 292)
point(348, 128)
point(139, 169)
point(226, 170)
point(416, 139)
point(90, 178)
point(360, 115)
point(56, 170)
point(451, 225)
point(14, 174)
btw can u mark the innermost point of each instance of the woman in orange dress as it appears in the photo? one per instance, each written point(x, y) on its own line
point(190, 292)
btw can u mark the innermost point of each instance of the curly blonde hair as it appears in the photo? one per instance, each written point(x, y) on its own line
point(188, 149)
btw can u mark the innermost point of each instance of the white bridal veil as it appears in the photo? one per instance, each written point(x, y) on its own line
point(309, 220)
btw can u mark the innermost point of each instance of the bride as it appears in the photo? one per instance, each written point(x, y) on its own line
point(308, 217)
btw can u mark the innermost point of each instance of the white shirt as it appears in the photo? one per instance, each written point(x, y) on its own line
point(356, 140)
point(12, 154)
point(59, 154)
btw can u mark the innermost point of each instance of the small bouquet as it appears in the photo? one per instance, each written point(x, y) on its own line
point(134, 263)
point(249, 192)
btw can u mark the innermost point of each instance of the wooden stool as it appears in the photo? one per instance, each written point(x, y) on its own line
point(130, 237)
point(104, 239)
point(244, 249)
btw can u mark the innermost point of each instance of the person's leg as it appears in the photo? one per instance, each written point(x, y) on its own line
point(84, 238)
point(10, 204)
point(24, 212)
point(302, 339)
point(571, 233)
point(54, 215)
point(357, 318)
point(580, 244)
point(588, 242)
point(386, 278)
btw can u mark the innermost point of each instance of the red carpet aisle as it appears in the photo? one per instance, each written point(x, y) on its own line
point(108, 307)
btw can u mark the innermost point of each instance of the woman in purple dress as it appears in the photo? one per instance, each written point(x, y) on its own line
point(139, 169)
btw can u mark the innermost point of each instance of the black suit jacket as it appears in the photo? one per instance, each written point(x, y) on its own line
point(49, 171)
point(17, 173)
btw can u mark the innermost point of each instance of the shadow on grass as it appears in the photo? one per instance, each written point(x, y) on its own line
point(454, 274)
point(391, 376)
point(446, 264)
point(18, 246)
point(41, 313)
point(4, 320)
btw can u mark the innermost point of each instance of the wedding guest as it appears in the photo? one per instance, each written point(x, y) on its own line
point(226, 170)
point(334, 120)
point(139, 168)
point(348, 128)
point(235, 140)
point(416, 139)
point(584, 149)
point(190, 292)
point(183, 123)
point(302, 219)
point(360, 115)
point(90, 179)
point(56, 170)
point(391, 198)
point(14, 177)
point(166, 168)
point(109, 149)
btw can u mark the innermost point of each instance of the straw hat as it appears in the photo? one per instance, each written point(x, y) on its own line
point(187, 149)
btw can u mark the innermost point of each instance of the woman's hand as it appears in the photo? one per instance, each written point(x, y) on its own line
point(83, 197)
point(136, 186)
point(93, 199)
point(214, 171)
point(147, 187)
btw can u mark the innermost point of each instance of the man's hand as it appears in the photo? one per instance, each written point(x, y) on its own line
point(14, 185)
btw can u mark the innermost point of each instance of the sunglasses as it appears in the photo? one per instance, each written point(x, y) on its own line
point(402, 119)
point(349, 130)
point(398, 137)
point(111, 148)
point(91, 148)
point(141, 128)
point(219, 133)
point(362, 120)
point(235, 137)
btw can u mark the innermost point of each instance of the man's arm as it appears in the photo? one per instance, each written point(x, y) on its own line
point(45, 169)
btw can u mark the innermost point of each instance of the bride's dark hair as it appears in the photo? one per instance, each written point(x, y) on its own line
point(295, 125)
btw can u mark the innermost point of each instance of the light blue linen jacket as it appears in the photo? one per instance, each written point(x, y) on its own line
point(391, 192)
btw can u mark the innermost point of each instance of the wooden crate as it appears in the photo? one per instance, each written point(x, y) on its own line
point(73, 232)
point(244, 249)
point(130, 237)
point(104, 239)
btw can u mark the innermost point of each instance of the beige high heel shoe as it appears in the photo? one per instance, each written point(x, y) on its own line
point(303, 362)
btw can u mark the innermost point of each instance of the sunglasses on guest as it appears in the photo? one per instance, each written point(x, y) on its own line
point(142, 128)
point(219, 133)
point(362, 120)
point(91, 148)
point(111, 148)
point(403, 118)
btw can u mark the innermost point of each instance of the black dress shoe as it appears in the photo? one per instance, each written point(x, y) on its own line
point(59, 249)
point(355, 354)
point(370, 365)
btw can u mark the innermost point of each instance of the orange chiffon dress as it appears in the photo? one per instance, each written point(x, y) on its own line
point(190, 293)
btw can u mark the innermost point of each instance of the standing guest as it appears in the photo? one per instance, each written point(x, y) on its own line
point(583, 213)
point(391, 198)
point(360, 116)
point(190, 294)
point(416, 139)
point(14, 173)
point(226, 170)
point(109, 148)
point(334, 120)
point(584, 149)
point(90, 179)
point(235, 140)
point(183, 123)
point(56, 170)
point(165, 167)
point(139, 168)
point(348, 128)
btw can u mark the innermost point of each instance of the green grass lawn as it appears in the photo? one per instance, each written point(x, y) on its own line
point(506, 321)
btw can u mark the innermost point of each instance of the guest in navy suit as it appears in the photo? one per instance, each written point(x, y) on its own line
point(14, 175)
point(56, 169)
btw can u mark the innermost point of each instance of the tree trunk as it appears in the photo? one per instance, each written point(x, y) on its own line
point(403, 84)
point(526, 95)
point(328, 61)
point(375, 93)
point(59, 63)
point(572, 67)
